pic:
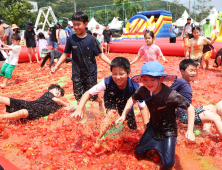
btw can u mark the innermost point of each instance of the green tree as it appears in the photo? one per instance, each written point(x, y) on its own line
point(14, 11)
point(203, 9)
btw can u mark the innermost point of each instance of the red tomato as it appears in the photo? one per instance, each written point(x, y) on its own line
point(207, 141)
point(156, 158)
point(5, 135)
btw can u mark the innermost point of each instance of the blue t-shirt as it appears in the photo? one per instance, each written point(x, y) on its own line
point(83, 51)
point(69, 30)
point(183, 88)
point(173, 33)
point(116, 98)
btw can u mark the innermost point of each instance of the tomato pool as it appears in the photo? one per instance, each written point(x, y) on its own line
point(60, 142)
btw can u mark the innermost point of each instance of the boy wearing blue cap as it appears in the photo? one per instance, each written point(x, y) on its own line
point(161, 131)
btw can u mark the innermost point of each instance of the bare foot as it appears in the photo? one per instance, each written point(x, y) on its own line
point(30, 62)
point(2, 86)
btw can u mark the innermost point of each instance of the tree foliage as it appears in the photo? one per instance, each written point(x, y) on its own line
point(203, 9)
point(14, 11)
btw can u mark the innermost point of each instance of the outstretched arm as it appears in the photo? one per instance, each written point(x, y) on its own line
point(191, 115)
point(216, 35)
point(7, 47)
point(135, 60)
point(60, 102)
point(61, 60)
point(105, 58)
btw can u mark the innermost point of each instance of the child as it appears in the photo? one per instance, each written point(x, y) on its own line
point(185, 43)
point(150, 51)
point(95, 36)
point(30, 41)
point(207, 53)
point(15, 29)
point(42, 43)
point(48, 103)
point(12, 60)
point(196, 44)
point(53, 55)
point(84, 48)
point(203, 114)
point(161, 131)
point(118, 89)
point(217, 61)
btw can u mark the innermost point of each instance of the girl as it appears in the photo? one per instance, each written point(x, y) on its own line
point(196, 44)
point(49, 102)
point(150, 51)
point(29, 41)
point(42, 43)
point(15, 29)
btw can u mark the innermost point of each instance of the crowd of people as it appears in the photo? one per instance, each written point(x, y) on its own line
point(159, 104)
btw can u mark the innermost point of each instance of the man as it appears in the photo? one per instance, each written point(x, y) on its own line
point(107, 38)
point(188, 28)
point(99, 34)
point(68, 29)
point(8, 33)
point(207, 28)
point(54, 36)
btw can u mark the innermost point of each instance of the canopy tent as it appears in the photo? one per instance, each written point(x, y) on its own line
point(115, 24)
point(183, 20)
point(92, 24)
point(213, 15)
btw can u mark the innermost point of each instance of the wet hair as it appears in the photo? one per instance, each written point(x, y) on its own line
point(80, 16)
point(186, 63)
point(41, 36)
point(55, 86)
point(120, 62)
point(95, 34)
point(195, 28)
point(150, 33)
point(16, 37)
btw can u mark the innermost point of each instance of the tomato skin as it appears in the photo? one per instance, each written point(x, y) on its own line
point(156, 158)
point(5, 135)
point(207, 141)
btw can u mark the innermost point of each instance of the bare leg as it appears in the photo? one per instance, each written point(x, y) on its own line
point(30, 54)
point(105, 47)
point(5, 100)
point(36, 54)
point(211, 117)
point(84, 114)
point(108, 47)
point(198, 67)
point(101, 103)
point(15, 115)
point(207, 63)
point(112, 115)
point(5, 82)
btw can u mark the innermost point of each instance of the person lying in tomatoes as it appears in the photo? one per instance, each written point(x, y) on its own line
point(48, 103)
point(117, 88)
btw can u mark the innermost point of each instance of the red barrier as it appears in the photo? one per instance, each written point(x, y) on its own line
point(23, 57)
point(6, 165)
point(168, 49)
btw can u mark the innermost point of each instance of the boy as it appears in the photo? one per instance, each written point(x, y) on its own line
point(217, 61)
point(84, 48)
point(107, 38)
point(161, 131)
point(118, 89)
point(203, 114)
point(11, 62)
point(95, 36)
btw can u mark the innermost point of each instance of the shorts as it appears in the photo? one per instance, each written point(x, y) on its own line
point(166, 148)
point(130, 117)
point(207, 55)
point(199, 60)
point(107, 41)
point(81, 85)
point(182, 115)
point(55, 45)
point(7, 69)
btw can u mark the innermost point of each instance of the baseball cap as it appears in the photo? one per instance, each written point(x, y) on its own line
point(70, 23)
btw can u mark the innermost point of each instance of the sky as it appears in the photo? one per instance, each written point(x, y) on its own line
point(216, 3)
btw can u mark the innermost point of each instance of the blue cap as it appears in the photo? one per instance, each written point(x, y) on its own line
point(153, 69)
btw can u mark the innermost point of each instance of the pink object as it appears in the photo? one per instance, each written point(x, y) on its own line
point(150, 53)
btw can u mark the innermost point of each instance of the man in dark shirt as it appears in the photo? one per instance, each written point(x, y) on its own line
point(84, 48)
point(161, 131)
point(107, 38)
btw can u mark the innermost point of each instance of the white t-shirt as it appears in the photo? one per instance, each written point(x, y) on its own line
point(99, 31)
point(14, 55)
point(187, 28)
point(101, 87)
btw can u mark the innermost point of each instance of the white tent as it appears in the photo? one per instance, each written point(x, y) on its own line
point(213, 15)
point(115, 24)
point(183, 20)
point(92, 24)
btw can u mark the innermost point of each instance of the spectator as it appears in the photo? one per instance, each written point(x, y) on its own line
point(15, 29)
point(207, 28)
point(2, 31)
point(188, 28)
point(107, 38)
point(54, 36)
point(8, 33)
point(68, 29)
point(99, 34)
point(173, 31)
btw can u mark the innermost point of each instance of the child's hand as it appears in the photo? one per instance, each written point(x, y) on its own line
point(190, 135)
point(121, 119)
point(165, 60)
point(215, 50)
point(77, 114)
point(53, 70)
point(216, 34)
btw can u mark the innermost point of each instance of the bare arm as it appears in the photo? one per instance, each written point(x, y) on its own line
point(24, 42)
point(145, 115)
point(7, 47)
point(61, 60)
point(60, 102)
point(135, 60)
point(164, 59)
point(105, 58)
point(57, 35)
point(79, 111)
point(4, 38)
point(67, 34)
point(191, 115)
point(182, 33)
point(212, 41)
point(187, 53)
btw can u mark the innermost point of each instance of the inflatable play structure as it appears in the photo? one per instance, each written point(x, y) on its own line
point(158, 21)
point(218, 24)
